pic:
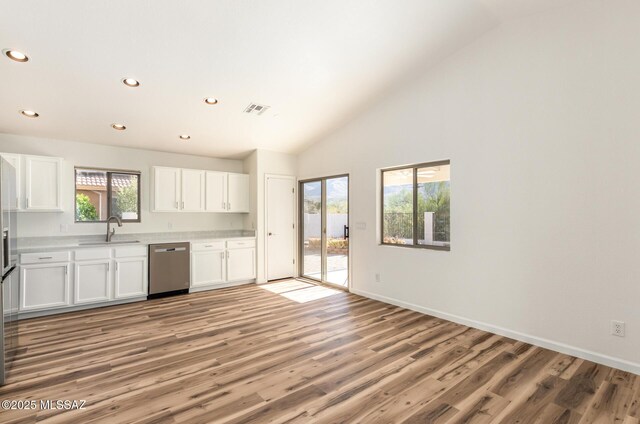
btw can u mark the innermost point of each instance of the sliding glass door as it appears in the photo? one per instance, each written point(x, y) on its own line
point(324, 230)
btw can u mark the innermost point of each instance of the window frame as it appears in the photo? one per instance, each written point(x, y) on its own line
point(109, 172)
point(414, 169)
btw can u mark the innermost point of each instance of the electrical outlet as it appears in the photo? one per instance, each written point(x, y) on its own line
point(64, 228)
point(377, 277)
point(618, 328)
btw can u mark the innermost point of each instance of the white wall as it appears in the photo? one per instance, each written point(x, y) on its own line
point(84, 154)
point(540, 119)
point(259, 164)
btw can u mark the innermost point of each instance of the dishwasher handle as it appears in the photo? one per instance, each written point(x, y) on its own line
point(170, 249)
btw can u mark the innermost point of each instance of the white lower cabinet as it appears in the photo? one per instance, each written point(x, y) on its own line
point(92, 281)
point(44, 286)
point(85, 277)
point(63, 279)
point(130, 277)
point(208, 267)
point(241, 264)
point(219, 263)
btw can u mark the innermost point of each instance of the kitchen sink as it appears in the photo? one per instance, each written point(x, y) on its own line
point(107, 243)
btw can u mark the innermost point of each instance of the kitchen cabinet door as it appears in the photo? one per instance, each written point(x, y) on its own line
point(44, 286)
point(92, 281)
point(193, 190)
point(241, 264)
point(207, 267)
point(238, 193)
point(166, 189)
point(131, 277)
point(216, 191)
point(43, 176)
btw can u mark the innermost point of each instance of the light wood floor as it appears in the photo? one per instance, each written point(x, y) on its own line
point(246, 354)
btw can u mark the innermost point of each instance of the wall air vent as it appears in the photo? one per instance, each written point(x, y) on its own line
point(256, 109)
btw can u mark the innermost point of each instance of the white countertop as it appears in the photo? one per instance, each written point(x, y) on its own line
point(42, 244)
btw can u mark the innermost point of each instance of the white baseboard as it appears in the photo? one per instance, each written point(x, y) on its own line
point(599, 358)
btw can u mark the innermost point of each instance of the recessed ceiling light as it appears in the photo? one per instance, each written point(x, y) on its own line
point(210, 100)
point(29, 113)
point(15, 55)
point(185, 137)
point(130, 82)
point(118, 127)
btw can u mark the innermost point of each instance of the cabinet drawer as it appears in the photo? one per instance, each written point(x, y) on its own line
point(91, 254)
point(44, 257)
point(212, 245)
point(239, 244)
point(130, 251)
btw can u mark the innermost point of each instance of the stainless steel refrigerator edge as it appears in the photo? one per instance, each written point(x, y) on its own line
point(9, 295)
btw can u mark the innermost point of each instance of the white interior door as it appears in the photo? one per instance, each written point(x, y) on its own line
point(281, 233)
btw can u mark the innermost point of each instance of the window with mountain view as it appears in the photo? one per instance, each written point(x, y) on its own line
point(103, 193)
point(416, 206)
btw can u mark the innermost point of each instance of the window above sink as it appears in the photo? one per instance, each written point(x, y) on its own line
point(101, 193)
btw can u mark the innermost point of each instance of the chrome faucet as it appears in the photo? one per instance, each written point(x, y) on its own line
point(111, 232)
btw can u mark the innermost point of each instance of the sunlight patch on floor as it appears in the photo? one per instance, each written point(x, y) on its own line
point(299, 291)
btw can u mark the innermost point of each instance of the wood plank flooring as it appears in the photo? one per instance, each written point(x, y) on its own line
point(252, 355)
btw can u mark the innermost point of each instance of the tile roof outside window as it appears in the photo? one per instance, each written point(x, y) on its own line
point(99, 179)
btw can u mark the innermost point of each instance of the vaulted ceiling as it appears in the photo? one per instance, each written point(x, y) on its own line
point(315, 63)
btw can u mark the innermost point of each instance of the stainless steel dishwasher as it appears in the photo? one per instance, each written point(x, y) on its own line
point(169, 270)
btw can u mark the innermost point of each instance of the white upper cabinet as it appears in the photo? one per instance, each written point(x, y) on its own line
point(43, 177)
point(216, 188)
point(167, 189)
point(38, 182)
point(193, 190)
point(238, 193)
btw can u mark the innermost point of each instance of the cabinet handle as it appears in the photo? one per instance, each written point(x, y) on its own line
point(28, 202)
point(229, 206)
point(221, 255)
point(46, 257)
point(176, 204)
point(227, 254)
point(223, 205)
point(116, 266)
point(183, 204)
point(66, 270)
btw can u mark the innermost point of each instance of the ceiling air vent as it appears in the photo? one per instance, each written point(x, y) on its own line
point(256, 109)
